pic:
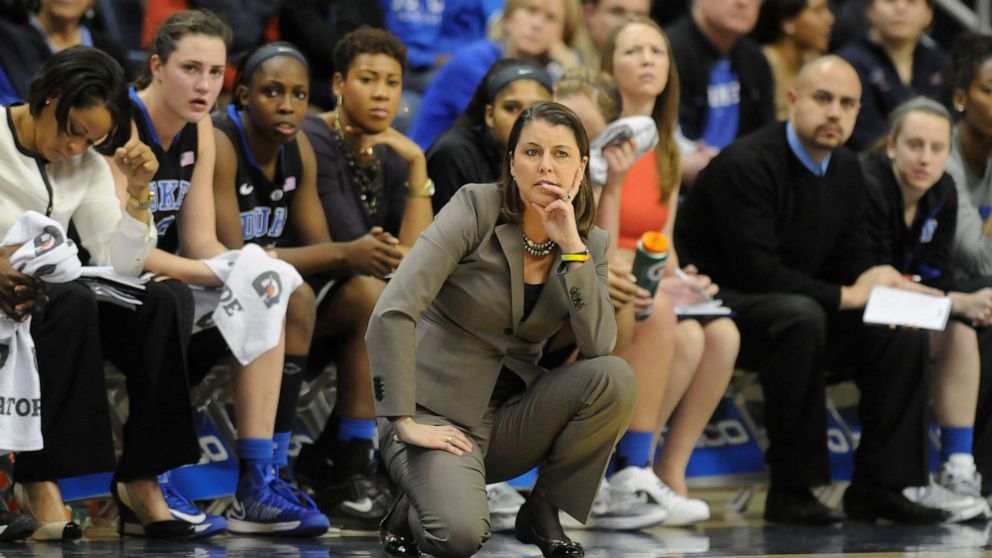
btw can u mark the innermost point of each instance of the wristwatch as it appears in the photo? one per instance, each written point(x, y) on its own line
point(425, 191)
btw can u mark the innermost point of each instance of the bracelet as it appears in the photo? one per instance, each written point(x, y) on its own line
point(577, 257)
point(138, 204)
point(425, 191)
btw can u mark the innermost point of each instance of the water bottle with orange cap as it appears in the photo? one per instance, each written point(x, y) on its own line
point(649, 264)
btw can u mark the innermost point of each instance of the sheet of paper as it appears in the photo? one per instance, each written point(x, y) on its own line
point(708, 308)
point(890, 306)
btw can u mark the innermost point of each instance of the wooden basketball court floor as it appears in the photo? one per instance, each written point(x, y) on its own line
point(729, 533)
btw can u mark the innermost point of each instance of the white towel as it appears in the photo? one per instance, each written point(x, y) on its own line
point(641, 129)
point(46, 254)
point(252, 304)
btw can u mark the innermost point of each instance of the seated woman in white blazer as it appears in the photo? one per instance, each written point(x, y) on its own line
point(455, 339)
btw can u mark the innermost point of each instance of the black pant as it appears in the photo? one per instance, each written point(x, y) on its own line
point(790, 340)
point(72, 335)
point(75, 423)
point(149, 346)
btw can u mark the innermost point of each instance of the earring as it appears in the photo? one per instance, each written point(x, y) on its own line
point(48, 102)
point(789, 29)
point(959, 108)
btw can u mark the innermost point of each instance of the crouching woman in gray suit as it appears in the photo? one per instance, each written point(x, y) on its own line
point(455, 339)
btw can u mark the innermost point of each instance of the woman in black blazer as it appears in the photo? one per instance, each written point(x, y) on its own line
point(455, 340)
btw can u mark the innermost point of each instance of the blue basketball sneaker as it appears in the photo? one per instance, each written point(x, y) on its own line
point(264, 504)
point(183, 509)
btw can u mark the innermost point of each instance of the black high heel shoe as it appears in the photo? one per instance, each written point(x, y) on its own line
point(394, 530)
point(551, 548)
point(129, 524)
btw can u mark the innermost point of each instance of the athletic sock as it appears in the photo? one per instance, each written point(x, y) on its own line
point(350, 428)
point(955, 439)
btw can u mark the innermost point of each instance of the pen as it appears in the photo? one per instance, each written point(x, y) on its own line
point(684, 277)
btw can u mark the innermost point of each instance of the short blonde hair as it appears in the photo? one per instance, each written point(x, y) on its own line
point(597, 85)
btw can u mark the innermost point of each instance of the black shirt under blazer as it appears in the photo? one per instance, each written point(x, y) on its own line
point(452, 316)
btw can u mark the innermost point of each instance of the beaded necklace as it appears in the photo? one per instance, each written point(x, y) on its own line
point(538, 249)
point(368, 178)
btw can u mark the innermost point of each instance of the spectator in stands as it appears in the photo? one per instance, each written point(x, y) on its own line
point(600, 17)
point(374, 190)
point(777, 220)
point(791, 33)
point(51, 163)
point(970, 165)
point(895, 62)
point(471, 152)
point(316, 26)
point(170, 108)
point(20, 58)
point(53, 27)
point(464, 402)
point(532, 30)
point(62, 24)
point(913, 213)
point(727, 86)
point(694, 377)
point(432, 33)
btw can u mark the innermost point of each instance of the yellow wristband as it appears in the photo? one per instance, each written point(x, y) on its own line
point(574, 257)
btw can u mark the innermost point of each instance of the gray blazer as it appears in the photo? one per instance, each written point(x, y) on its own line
point(450, 318)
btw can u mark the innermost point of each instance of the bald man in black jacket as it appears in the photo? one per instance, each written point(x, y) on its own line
point(777, 220)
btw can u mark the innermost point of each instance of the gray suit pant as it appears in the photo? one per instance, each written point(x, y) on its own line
point(568, 422)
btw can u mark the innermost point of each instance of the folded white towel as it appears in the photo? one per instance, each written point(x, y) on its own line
point(45, 252)
point(252, 304)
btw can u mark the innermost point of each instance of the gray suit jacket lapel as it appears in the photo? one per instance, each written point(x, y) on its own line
point(511, 240)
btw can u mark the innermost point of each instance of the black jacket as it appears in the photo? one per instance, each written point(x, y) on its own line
point(462, 155)
point(695, 57)
point(758, 221)
point(924, 248)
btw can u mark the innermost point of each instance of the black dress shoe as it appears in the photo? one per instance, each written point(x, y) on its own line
point(870, 503)
point(527, 533)
point(798, 506)
point(394, 530)
point(129, 524)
